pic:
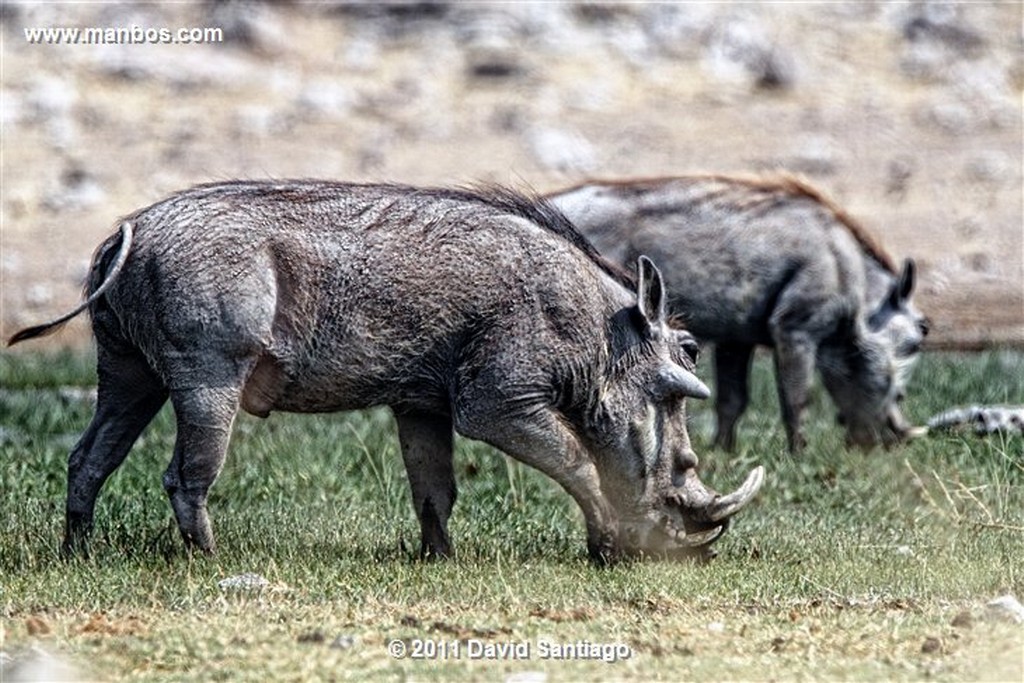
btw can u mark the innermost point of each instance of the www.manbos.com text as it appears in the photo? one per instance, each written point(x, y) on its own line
point(123, 35)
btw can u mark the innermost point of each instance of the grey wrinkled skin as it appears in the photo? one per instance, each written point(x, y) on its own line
point(770, 262)
point(479, 311)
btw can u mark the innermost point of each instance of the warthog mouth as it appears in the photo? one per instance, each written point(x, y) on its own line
point(889, 430)
point(694, 516)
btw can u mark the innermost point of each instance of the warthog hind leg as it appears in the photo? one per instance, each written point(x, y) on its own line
point(128, 397)
point(204, 416)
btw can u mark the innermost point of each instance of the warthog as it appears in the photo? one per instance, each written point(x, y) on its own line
point(478, 310)
point(770, 262)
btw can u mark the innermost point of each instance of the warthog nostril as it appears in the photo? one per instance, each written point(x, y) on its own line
point(909, 349)
point(685, 460)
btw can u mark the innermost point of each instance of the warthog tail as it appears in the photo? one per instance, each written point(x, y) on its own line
point(54, 325)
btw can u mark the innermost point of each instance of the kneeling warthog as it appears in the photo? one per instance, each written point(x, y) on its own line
point(770, 262)
point(480, 311)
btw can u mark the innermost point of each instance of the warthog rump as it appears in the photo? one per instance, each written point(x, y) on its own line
point(481, 312)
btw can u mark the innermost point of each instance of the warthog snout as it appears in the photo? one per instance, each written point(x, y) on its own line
point(692, 516)
point(885, 430)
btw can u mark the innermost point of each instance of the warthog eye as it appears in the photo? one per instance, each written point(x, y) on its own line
point(924, 326)
point(690, 347)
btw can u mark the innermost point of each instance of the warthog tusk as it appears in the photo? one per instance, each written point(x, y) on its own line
point(726, 506)
point(686, 539)
point(699, 538)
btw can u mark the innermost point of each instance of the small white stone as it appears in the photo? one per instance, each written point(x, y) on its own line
point(343, 642)
point(37, 665)
point(527, 677)
point(327, 97)
point(38, 295)
point(247, 581)
point(562, 150)
point(52, 97)
point(1006, 607)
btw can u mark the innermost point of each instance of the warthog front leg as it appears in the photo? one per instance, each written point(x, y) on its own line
point(128, 397)
point(204, 417)
point(732, 372)
point(541, 440)
point(426, 442)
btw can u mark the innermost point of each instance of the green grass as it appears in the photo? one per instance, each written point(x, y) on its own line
point(850, 565)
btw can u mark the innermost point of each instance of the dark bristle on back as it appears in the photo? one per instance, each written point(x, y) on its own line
point(795, 186)
point(529, 205)
point(777, 187)
point(536, 209)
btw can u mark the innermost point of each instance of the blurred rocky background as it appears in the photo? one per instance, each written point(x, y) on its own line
point(909, 114)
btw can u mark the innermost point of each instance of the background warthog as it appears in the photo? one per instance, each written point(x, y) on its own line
point(481, 311)
point(770, 262)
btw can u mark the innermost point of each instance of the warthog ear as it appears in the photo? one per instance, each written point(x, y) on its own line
point(904, 285)
point(650, 292)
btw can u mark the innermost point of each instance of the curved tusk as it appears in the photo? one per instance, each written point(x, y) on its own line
point(916, 433)
point(699, 538)
point(726, 506)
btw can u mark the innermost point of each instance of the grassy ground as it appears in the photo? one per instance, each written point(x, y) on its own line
point(850, 566)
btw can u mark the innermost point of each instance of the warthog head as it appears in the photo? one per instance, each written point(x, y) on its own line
point(867, 378)
point(637, 432)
